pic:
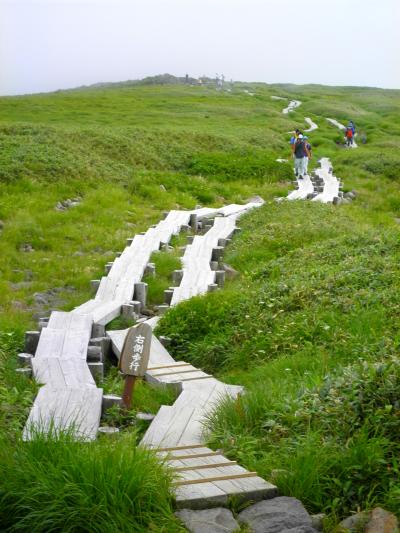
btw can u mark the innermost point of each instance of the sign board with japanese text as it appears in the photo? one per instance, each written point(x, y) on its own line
point(136, 351)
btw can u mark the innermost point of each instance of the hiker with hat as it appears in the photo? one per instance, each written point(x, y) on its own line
point(307, 157)
point(293, 139)
point(300, 153)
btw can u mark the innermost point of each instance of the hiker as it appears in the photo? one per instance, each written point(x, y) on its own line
point(293, 139)
point(349, 136)
point(352, 126)
point(309, 156)
point(300, 153)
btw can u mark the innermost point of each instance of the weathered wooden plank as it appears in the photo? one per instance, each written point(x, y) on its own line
point(234, 485)
point(203, 467)
point(51, 342)
point(158, 427)
point(248, 488)
point(186, 447)
point(192, 455)
point(176, 377)
point(57, 410)
point(174, 365)
point(227, 477)
point(65, 320)
point(171, 370)
point(62, 373)
point(174, 429)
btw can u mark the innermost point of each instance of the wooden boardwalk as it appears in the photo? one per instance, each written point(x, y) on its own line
point(323, 186)
point(304, 187)
point(331, 183)
point(69, 399)
point(205, 478)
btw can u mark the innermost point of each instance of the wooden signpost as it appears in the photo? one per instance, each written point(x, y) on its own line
point(134, 358)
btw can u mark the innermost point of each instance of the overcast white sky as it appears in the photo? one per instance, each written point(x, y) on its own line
point(52, 44)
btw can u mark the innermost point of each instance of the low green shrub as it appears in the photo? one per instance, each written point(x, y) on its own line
point(386, 165)
point(335, 447)
point(243, 165)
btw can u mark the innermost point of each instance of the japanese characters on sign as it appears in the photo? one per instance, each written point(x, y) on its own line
point(136, 351)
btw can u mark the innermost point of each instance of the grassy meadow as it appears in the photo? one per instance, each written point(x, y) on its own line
point(310, 326)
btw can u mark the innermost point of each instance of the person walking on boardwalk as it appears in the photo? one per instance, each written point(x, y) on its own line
point(300, 152)
point(307, 157)
point(294, 138)
point(349, 136)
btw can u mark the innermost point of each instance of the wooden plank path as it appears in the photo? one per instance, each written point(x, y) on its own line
point(196, 268)
point(205, 478)
point(69, 398)
point(117, 288)
point(331, 183)
point(293, 104)
point(305, 187)
point(312, 125)
point(322, 187)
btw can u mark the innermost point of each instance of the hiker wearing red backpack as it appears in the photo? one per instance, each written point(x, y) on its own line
point(349, 136)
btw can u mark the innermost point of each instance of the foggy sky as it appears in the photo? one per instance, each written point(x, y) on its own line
point(54, 44)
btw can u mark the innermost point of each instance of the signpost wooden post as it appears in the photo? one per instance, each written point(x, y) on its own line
point(134, 358)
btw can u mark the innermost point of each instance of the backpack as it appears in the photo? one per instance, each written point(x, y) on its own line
point(349, 132)
point(299, 149)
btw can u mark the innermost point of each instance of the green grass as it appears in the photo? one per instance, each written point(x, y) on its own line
point(68, 486)
point(316, 299)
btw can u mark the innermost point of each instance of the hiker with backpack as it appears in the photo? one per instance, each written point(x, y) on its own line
point(300, 154)
point(294, 137)
point(349, 136)
point(352, 126)
point(307, 158)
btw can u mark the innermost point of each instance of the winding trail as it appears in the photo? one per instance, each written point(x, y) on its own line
point(336, 123)
point(312, 125)
point(321, 186)
point(293, 104)
point(304, 188)
point(330, 182)
point(70, 399)
point(65, 355)
point(343, 128)
point(206, 478)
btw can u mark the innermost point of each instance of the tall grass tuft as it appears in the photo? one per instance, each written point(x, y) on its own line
point(60, 485)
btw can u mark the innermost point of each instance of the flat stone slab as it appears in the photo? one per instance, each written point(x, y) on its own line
point(218, 520)
point(300, 529)
point(278, 515)
point(382, 521)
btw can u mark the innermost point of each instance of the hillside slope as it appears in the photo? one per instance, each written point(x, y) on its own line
point(314, 308)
